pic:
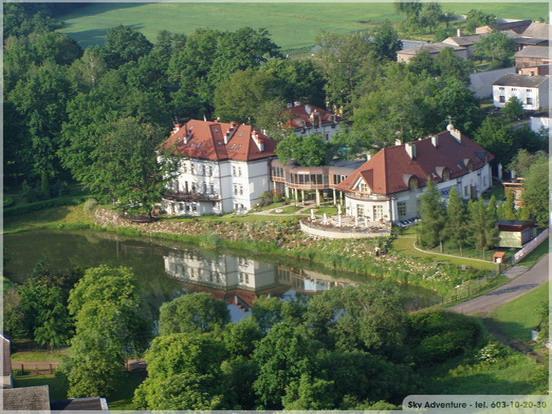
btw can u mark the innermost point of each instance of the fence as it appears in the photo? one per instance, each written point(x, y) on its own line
point(35, 367)
point(529, 247)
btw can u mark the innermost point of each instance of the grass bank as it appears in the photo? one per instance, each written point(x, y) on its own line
point(517, 318)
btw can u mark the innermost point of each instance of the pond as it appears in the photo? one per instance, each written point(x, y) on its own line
point(166, 270)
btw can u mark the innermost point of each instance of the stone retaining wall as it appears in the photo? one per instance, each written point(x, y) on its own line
point(333, 233)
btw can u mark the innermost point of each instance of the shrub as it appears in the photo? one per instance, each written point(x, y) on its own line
point(90, 205)
point(8, 201)
point(491, 352)
point(436, 336)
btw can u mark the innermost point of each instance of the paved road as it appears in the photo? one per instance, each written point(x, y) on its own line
point(529, 280)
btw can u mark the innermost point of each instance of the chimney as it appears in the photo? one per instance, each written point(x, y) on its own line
point(410, 148)
point(398, 142)
point(454, 132)
point(458, 32)
point(188, 136)
point(257, 140)
point(176, 128)
point(368, 155)
point(435, 141)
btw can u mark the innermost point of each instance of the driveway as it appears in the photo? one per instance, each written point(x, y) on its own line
point(487, 303)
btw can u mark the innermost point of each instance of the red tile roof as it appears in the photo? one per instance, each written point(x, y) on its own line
point(389, 171)
point(304, 115)
point(205, 140)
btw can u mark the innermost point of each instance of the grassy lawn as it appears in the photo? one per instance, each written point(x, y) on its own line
point(518, 317)
point(329, 210)
point(51, 217)
point(120, 399)
point(57, 384)
point(533, 257)
point(40, 355)
point(292, 26)
point(513, 374)
point(405, 243)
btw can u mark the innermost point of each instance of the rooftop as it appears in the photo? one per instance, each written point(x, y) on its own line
point(309, 115)
point(219, 141)
point(27, 398)
point(533, 52)
point(465, 41)
point(431, 48)
point(390, 170)
point(537, 30)
point(522, 81)
point(80, 404)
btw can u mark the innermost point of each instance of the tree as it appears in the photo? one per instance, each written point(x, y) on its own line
point(123, 165)
point(536, 192)
point(124, 44)
point(497, 48)
point(524, 160)
point(431, 15)
point(449, 65)
point(513, 110)
point(105, 305)
point(87, 71)
point(478, 224)
point(507, 208)
point(55, 47)
point(240, 96)
point(283, 355)
point(492, 223)
point(386, 42)
point(310, 151)
point(496, 137)
point(466, 114)
point(194, 312)
point(457, 220)
point(184, 373)
point(476, 18)
point(432, 214)
point(309, 393)
point(346, 60)
point(241, 338)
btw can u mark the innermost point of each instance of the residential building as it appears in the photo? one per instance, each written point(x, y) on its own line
point(405, 55)
point(518, 26)
point(388, 187)
point(481, 83)
point(309, 119)
point(223, 168)
point(532, 91)
point(295, 181)
point(465, 41)
point(531, 56)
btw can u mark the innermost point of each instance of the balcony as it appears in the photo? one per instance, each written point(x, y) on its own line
point(190, 196)
point(367, 197)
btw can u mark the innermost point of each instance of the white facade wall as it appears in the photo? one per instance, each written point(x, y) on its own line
point(233, 186)
point(327, 131)
point(405, 205)
point(533, 99)
point(538, 122)
point(481, 83)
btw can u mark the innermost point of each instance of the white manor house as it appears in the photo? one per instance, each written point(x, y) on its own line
point(223, 168)
point(388, 186)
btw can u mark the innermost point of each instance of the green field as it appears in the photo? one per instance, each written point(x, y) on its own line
point(518, 317)
point(292, 26)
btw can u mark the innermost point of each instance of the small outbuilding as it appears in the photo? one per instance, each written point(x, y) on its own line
point(515, 233)
point(499, 257)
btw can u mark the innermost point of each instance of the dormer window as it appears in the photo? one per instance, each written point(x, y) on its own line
point(446, 174)
point(363, 187)
point(413, 183)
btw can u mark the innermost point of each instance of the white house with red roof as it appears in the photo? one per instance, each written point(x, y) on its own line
point(306, 119)
point(388, 187)
point(223, 168)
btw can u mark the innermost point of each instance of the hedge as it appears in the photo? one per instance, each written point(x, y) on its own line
point(41, 205)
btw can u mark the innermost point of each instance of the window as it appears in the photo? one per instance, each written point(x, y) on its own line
point(239, 172)
point(378, 212)
point(363, 188)
point(210, 171)
point(502, 99)
point(241, 190)
point(204, 188)
point(203, 170)
point(529, 101)
point(233, 171)
point(193, 187)
point(212, 188)
point(360, 210)
point(446, 174)
point(528, 91)
point(192, 168)
point(235, 189)
point(401, 207)
point(466, 191)
point(185, 167)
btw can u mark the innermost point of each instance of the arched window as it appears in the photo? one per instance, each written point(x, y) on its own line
point(469, 166)
point(446, 174)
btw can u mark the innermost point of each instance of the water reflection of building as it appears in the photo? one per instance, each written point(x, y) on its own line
point(240, 281)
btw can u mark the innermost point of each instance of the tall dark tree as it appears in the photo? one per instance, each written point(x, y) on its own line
point(124, 44)
point(433, 217)
point(386, 41)
point(456, 227)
